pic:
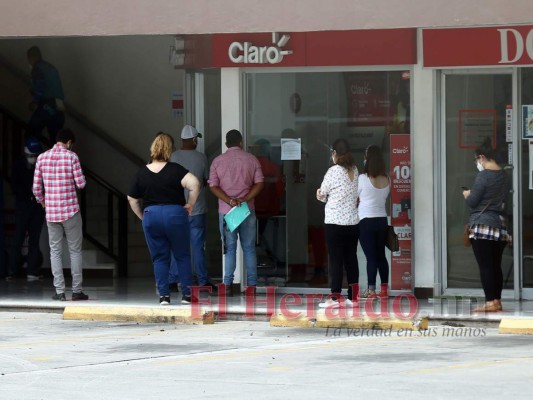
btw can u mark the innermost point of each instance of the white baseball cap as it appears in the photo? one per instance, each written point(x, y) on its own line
point(189, 132)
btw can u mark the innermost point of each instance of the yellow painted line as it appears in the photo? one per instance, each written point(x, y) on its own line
point(517, 326)
point(137, 314)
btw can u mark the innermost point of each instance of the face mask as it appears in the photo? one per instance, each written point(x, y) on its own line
point(479, 166)
point(364, 162)
point(31, 160)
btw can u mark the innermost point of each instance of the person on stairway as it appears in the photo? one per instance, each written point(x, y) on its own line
point(29, 214)
point(47, 105)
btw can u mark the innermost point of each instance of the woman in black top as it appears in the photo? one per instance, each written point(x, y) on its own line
point(165, 214)
point(488, 233)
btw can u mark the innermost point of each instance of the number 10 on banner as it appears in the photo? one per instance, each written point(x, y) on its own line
point(403, 172)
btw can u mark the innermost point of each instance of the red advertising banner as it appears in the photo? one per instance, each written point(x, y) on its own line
point(496, 45)
point(401, 212)
point(289, 49)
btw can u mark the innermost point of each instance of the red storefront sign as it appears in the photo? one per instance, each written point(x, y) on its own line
point(401, 212)
point(367, 98)
point(503, 45)
point(267, 49)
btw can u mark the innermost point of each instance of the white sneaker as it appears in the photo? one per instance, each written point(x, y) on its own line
point(33, 278)
point(329, 303)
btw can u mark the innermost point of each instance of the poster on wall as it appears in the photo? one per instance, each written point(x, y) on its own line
point(368, 103)
point(475, 126)
point(177, 104)
point(401, 212)
point(527, 114)
point(508, 123)
point(531, 164)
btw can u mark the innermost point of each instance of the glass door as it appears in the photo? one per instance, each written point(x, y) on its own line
point(526, 181)
point(314, 109)
point(475, 106)
point(203, 110)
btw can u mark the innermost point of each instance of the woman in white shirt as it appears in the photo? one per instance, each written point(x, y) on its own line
point(339, 192)
point(373, 190)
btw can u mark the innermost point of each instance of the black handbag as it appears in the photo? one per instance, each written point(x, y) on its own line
point(391, 239)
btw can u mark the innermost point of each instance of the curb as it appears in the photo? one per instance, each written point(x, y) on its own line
point(138, 314)
point(323, 321)
point(517, 326)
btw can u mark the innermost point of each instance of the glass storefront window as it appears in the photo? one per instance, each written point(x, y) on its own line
point(475, 107)
point(527, 183)
point(362, 107)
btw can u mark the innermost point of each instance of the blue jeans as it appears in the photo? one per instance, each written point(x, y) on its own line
point(166, 228)
point(372, 234)
point(198, 224)
point(246, 232)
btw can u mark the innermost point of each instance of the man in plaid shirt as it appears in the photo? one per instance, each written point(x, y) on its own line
point(58, 171)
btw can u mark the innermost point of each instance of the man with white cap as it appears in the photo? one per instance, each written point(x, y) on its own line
point(29, 215)
point(196, 163)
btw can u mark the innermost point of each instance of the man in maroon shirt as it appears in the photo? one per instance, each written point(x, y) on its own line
point(235, 177)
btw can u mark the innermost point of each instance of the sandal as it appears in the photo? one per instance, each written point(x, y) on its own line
point(369, 294)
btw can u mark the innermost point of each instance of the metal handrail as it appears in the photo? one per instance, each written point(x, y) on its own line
point(12, 131)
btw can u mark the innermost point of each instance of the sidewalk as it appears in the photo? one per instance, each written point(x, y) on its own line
point(20, 295)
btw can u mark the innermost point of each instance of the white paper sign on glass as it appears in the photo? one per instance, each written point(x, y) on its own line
point(291, 149)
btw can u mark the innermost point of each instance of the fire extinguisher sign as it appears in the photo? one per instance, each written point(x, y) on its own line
point(401, 212)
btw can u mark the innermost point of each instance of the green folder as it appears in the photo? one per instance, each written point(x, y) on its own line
point(236, 215)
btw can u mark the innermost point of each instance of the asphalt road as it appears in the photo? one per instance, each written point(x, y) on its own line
point(44, 357)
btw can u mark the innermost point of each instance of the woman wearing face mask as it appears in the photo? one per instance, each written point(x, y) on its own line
point(373, 190)
point(488, 231)
point(339, 191)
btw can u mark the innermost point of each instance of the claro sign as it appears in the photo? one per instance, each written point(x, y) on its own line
point(248, 53)
point(503, 45)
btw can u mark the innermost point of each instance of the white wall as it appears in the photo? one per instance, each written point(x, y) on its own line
point(122, 84)
point(127, 17)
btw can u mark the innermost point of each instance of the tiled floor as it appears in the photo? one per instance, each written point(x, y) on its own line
point(140, 292)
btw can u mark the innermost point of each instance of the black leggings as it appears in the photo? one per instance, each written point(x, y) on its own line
point(489, 259)
point(342, 247)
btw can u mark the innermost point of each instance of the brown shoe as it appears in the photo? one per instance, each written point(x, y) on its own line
point(498, 303)
point(489, 306)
